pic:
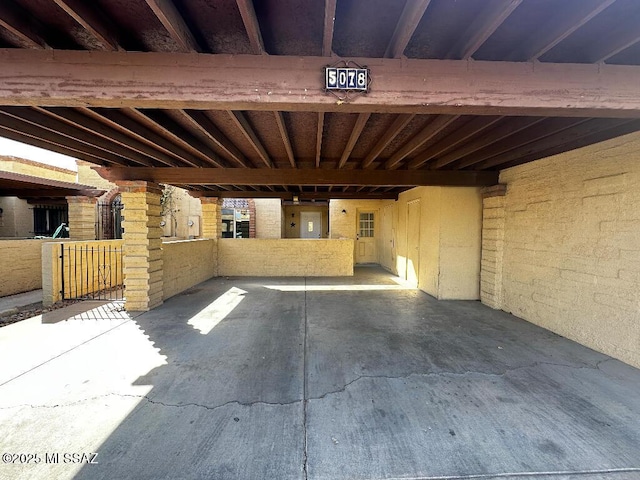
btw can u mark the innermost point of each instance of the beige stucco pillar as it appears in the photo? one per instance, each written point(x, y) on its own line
point(211, 217)
point(493, 218)
point(82, 218)
point(142, 244)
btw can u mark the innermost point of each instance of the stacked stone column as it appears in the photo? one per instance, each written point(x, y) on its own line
point(493, 218)
point(211, 217)
point(142, 244)
point(82, 218)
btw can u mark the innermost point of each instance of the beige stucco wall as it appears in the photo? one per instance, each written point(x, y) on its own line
point(284, 257)
point(179, 209)
point(268, 217)
point(20, 266)
point(88, 176)
point(187, 263)
point(16, 219)
point(449, 240)
point(572, 245)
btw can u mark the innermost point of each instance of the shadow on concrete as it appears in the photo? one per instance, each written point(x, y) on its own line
point(285, 378)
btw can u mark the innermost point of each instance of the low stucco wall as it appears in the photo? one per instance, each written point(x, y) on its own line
point(186, 263)
point(20, 266)
point(285, 257)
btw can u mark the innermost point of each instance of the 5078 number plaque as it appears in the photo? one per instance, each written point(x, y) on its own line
point(347, 78)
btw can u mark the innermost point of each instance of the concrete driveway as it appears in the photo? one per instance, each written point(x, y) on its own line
point(343, 378)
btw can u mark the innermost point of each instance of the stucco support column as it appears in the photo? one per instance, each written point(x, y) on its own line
point(142, 244)
point(82, 218)
point(493, 224)
point(211, 217)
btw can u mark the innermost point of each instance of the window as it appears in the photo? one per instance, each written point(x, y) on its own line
point(235, 223)
point(46, 219)
point(366, 225)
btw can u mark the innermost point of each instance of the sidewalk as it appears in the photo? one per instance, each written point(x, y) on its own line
point(12, 303)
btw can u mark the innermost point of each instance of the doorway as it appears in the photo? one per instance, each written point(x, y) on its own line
point(366, 238)
point(310, 225)
point(413, 242)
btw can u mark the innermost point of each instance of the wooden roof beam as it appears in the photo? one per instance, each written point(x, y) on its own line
point(94, 23)
point(329, 21)
point(353, 138)
point(94, 127)
point(284, 134)
point(615, 44)
point(474, 127)
point(201, 123)
point(319, 138)
point(481, 29)
point(561, 31)
point(251, 25)
point(20, 24)
point(299, 176)
point(224, 82)
point(173, 22)
point(392, 132)
point(409, 19)
point(207, 156)
point(427, 133)
point(247, 130)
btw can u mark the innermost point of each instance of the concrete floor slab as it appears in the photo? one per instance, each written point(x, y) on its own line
point(359, 378)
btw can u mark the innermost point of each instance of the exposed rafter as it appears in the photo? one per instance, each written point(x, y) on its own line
point(482, 28)
point(288, 196)
point(474, 127)
point(173, 22)
point(409, 19)
point(615, 44)
point(329, 21)
point(427, 133)
point(303, 177)
point(201, 123)
point(392, 132)
point(353, 138)
point(96, 24)
point(319, 132)
point(284, 134)
point(18, 22)
point(207, 156)
point(104, 79)
point(248, 14)
point(561, 31)
point(247, 130)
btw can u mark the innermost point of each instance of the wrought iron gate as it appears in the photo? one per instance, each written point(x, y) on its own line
point(91, 271)
point(110, 220)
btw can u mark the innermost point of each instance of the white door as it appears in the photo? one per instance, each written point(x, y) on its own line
point(310, 225)
point(366, 238)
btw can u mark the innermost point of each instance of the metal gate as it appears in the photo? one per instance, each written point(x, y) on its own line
point(91, 272)
point(110, 220)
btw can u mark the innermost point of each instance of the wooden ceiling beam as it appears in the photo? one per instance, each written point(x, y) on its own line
point(251, 25)
point(553, 35)
point(202, 124)
point(482, 28)
point(614, 44)
point(207, 156)
point(57, 132)
point(170, 18)
point(392, 132)
point(284, 135)
point(474, 127)
point(20, 24)
point(527, 136)
point(20, 136)
point(560, 138)
point(427, 133)
point(319, 132)
point(297, 176)
point(77, 120)
point(93, 22)
point(247, 131)
point(509, 126)
point(241, 82)
point(327, 31)
point(353, 138)
point(409, 19)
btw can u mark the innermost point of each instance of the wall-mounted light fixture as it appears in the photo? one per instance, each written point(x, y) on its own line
point(344, 212)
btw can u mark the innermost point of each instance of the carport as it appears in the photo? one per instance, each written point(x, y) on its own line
point(496, 150)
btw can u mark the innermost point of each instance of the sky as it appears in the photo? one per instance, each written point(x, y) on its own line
point(21, 150)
